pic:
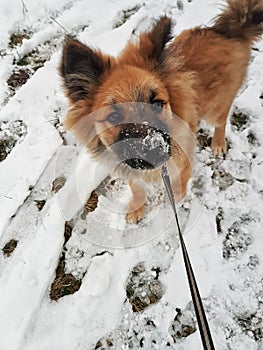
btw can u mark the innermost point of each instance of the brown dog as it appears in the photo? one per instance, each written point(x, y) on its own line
point(146, 104)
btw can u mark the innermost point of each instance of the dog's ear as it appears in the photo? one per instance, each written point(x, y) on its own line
point(147, 51)
point(152, 43)
point(82, 70)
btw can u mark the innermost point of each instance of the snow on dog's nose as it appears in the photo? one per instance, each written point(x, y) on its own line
point(143, 147)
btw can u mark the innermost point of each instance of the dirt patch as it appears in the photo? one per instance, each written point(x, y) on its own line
point(10, 247)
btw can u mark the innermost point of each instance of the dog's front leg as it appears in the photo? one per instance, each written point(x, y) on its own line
point(219, 141)
point(219, 146)
point(179, 183)
point(135, 210)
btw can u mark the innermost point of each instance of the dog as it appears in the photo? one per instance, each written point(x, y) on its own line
point(146, 104)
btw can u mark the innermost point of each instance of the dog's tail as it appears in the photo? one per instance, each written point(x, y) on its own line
point(241, 19)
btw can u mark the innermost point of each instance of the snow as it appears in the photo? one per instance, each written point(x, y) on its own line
point(221, 215)
point(156, 140)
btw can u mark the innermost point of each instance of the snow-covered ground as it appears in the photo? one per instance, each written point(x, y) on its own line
point(131, 285)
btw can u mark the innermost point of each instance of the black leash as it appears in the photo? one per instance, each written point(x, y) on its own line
point(198, 305)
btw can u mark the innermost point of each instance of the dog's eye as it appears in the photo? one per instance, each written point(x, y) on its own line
point(115, 118)
point(157, 106)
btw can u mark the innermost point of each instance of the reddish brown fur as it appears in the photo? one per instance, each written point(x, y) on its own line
point(197, 75)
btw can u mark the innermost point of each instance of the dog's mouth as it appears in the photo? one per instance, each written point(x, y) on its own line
point(137, 163)
point(143, 148)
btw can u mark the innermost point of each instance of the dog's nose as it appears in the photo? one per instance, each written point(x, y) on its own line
point(143, 147)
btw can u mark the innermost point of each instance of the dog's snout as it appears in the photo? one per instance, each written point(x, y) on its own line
point(143, 147)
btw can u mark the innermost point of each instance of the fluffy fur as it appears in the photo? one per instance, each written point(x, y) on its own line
point(195, 76)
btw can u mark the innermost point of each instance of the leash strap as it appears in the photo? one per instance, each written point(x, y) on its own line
point(198, 305)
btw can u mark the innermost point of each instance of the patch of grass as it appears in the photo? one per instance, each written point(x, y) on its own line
point(98, 345)
point(252, 139)
point(143, 289)
point(203, 138)
point(18, 78)
point(67, 232)
point(239, 120)
point(10, 134)
point(180, 5)
point(92, 202)
point(219, 218)
point(23, 61)
point(64, 283)
point(104, 344)
point(184, 323)
point(126, 15)
point(4, 144)
point(238, 238)
point(25, 66)
point(17, 38)
point(10, 247)
point(33, 58)
point(253, 261)
point(58, 183)
point(40, 203)
point(222, 179)
point(251, 324)
point(109, 342)
point(199, 185)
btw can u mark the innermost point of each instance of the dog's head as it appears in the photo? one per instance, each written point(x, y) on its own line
point(121, 103)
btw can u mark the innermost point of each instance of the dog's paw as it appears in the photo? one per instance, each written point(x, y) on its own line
point(133, 217)
point(219, 147)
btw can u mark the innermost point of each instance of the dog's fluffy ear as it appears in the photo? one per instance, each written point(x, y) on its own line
point(152, 43)
point(149, 48)
point(82, 70)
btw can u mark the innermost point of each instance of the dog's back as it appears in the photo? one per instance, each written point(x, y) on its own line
point(219, 56)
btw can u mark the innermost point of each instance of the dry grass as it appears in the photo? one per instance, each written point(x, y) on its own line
point(10, 247)
point(64, 283)
point(18, 78)
point(92, 202)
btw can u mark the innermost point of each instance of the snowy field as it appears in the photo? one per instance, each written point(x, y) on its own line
point(76, 279)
